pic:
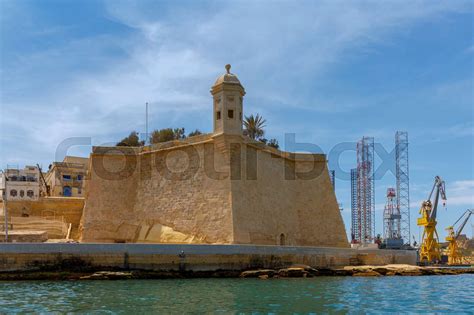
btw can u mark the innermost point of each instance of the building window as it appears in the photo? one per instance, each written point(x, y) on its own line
point(79, 177)
point(66, 177)
point(218, 115)
point(13, 193)
point(67, 191)
point(230, 113)
point(30, 193)
point(30, 179)
point(240, 116)
point(22, 193)
point(79, 191)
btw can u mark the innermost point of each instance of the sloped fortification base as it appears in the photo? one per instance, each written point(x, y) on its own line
point(211, 189)
point(190, 258)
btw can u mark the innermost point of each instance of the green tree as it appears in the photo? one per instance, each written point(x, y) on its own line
point(196, 132)
point(273, 143)
point(133, 140)
point(167, 134)
point(254, 126)
point(179, 133)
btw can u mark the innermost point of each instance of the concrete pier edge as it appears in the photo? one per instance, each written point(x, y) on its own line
point(191, 257)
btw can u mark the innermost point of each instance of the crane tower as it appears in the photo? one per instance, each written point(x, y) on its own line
point(429, 248)
point(403, 183)
point(363, 193)
point(454, 253)
point(355, 236)
point(391, 219)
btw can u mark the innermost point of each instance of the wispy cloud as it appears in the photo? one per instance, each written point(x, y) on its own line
point(171, 55)
point(446, 133)
point(470, 49)
point(459, 193)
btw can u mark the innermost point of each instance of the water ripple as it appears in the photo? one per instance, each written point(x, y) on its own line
point(451, 294)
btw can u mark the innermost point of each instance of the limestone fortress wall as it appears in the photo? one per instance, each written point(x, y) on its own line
point(220, 188)
point(160, 196)
point(286, 199)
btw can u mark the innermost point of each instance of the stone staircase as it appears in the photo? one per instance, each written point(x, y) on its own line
point(55, 229)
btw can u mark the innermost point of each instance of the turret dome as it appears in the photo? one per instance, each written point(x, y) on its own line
point(228, 95)
point(227, 77)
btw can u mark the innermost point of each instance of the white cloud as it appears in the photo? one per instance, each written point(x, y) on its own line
point(172, 56)
point(461, 130)
point(459, 193)
point(470, 49)
point(441, 133)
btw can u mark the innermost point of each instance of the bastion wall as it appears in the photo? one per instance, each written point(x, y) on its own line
point(162, 195)
point(214, 189)
point(285, 199)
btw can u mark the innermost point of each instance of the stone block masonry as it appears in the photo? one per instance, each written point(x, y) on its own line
point(222, 189)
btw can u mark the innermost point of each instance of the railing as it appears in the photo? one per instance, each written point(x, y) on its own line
point(2, 226)
point(2, 223)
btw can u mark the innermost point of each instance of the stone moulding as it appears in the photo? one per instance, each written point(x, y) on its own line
point(207, 138)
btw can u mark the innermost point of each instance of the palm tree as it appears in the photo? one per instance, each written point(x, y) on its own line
point(254, 126)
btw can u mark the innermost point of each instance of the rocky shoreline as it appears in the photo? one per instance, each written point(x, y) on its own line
point(295, 271)
point(355, 271)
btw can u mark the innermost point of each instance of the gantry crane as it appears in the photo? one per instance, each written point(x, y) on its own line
point(454, 254)
point(429, 247)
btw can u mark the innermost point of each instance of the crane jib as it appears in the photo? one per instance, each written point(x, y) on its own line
point(461, 227)
point(439, 190)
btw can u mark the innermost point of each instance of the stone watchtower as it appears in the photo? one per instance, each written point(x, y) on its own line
point(228, 95)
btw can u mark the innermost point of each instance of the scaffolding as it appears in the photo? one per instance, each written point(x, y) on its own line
point(403, 183)
point(391, 221)
point(354, 213)
point(365, 214)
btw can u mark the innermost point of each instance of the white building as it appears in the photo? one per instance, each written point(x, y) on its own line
point(16, 184)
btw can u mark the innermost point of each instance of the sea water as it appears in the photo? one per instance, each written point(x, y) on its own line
point(453, 294)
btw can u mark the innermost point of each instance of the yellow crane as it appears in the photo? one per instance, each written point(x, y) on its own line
point(429, 248)
point(454, 254)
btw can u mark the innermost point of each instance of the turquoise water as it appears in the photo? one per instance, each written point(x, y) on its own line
point(454, 294)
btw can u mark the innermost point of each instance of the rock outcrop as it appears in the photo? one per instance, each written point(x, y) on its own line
point(299, 271)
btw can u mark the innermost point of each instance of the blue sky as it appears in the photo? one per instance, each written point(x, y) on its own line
point(327, 71)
